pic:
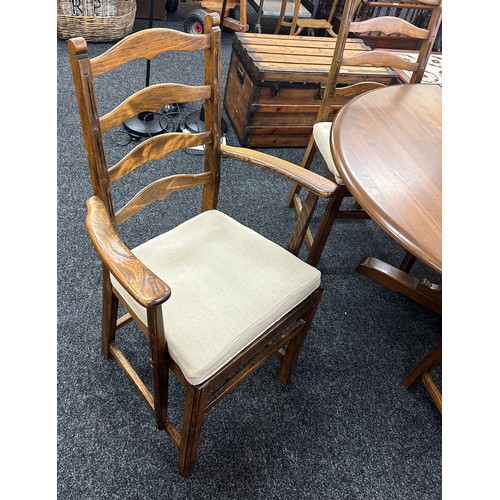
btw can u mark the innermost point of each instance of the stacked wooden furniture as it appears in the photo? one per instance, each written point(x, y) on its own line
point(275, 85)
point(312, 24)
point(278, 9)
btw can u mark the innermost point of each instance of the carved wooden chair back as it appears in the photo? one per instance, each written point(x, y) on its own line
point(416, 12)
point(320, 138)
point(214, 299)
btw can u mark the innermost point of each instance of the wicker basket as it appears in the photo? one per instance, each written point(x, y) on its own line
point(95, 20)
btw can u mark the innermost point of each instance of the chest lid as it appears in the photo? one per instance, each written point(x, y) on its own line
point(300, 59)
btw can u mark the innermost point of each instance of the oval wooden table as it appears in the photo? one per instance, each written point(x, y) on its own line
point(387, 149)
point(386, 145)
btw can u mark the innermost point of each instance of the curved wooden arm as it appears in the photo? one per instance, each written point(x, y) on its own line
point(312, 181)
point(142, 284)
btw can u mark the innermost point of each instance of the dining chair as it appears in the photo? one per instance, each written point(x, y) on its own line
point(319, 141)
point(214, 298)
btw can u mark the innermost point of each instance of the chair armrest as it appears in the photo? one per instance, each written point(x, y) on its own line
point(317, 184)
point(141, 283)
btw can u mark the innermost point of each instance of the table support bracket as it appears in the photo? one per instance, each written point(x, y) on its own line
point(420, 290)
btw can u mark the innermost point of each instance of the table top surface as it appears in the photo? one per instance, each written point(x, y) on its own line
point(387, 145)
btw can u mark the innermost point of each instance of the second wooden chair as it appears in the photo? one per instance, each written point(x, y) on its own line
point(319, 141)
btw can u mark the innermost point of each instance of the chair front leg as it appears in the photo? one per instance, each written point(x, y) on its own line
point(301, 227)
point(325, 226)
point(194, 414)
point(295, 345)
point(160, 365)
point(109, 314)
point(306, 163)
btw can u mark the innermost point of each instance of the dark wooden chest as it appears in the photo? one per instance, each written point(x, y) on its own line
point(275, 83)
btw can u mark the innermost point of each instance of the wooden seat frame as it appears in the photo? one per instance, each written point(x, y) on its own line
point(286, 337)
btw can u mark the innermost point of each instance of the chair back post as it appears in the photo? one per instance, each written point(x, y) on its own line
point(425, 50)
point(349, 9)
point(212, 111)
point(84, 86)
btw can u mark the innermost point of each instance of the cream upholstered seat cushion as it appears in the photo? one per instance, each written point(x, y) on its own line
point(229, 284)
point(321, 134)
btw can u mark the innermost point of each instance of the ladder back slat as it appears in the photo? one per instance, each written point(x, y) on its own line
point(147, 44)
point(389, 25)
point(159, 190)
point(156, 148)
point(380, 58)
point(153, 98)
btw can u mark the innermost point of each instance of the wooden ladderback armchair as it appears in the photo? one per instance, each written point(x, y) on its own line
point(319, 141)
point(214, 298)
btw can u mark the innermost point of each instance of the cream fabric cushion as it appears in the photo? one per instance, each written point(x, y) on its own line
point(321, 134)
point(229, 284)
